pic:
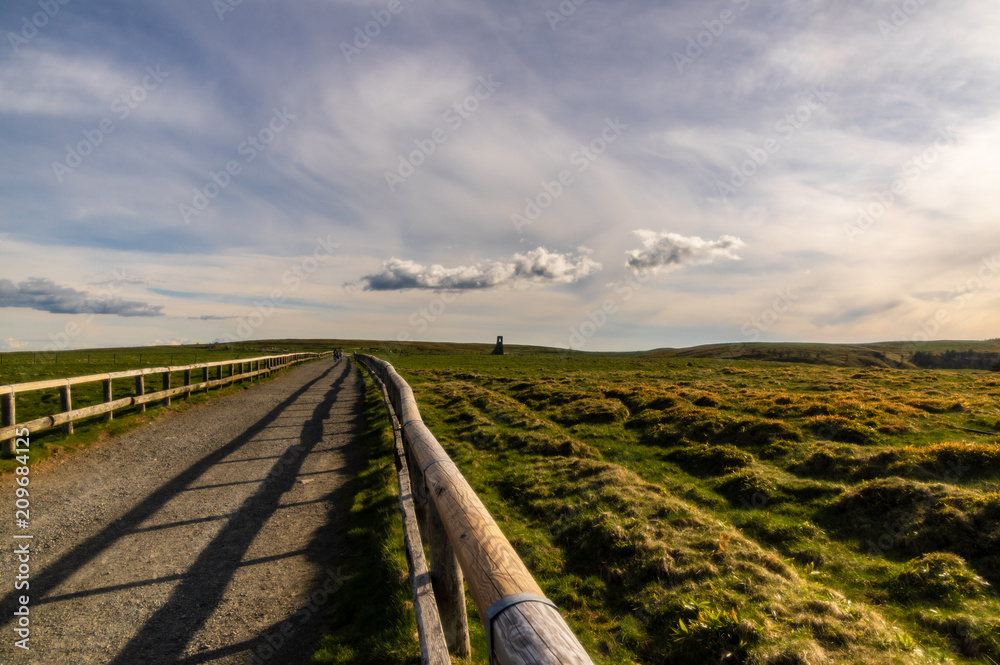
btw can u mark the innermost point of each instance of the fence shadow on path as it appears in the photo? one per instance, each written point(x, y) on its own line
point(164, 637)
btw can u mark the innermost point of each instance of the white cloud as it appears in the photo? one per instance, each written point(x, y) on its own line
point(11, 344)
point(664, 251)
point(538, 267)
point(176, 341)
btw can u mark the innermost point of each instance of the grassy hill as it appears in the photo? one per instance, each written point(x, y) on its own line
point(882, 354)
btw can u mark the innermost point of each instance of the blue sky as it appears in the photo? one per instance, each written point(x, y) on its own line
point(578, 174)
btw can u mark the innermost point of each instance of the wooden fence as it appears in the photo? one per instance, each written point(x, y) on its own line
point(522, 626)
point(248, 369)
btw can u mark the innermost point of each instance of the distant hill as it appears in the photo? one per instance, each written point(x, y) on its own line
point(954, 354)
point(958, 354)
point(947, 354)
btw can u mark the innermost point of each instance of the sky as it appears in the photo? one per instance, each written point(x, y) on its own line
point(575, 173)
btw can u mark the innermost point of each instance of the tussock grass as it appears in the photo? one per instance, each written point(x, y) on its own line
point(662, 555)
point(954, 461)
point(712, 460)
point(740, 512)
point(939, 576)
point(917, 517)
point(971, 636)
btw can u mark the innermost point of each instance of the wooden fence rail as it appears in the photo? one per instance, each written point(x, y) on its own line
point(248, 369)
point(522, 626)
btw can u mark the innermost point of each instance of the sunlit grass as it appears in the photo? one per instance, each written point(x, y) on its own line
point(654, 497)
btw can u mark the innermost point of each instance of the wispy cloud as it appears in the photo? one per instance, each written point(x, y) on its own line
point(47, 296)
point(664, 251)
point(536, 268)
point(740, 112)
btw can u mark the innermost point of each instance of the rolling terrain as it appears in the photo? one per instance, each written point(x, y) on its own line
point(682, 508)
point(729, 503)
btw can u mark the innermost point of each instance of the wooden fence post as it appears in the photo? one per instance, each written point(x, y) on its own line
point(166, 386)
point(419, 491)
point(449, 586)
point(66, 400)
point(522, 625)
point(8, 418)
point(187, 382)
point(108, 393)
point(140, 389)
point(205, 372)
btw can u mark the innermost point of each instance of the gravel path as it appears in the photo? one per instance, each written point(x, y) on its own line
point(203, 537)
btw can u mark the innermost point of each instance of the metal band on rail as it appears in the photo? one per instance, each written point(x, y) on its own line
point(506, 603)
point(433, 461)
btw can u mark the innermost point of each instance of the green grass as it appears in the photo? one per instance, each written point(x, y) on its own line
point(685, 509)
point(372, 620)
point(705, 505)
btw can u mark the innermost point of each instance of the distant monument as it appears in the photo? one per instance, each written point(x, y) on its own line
point(498, 349)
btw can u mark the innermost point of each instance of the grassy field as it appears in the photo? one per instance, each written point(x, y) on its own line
point(694, 505)
point(683, 509)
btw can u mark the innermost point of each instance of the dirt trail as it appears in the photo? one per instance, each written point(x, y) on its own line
point(203, 537)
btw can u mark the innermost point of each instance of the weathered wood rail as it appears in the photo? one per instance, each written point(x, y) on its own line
point(248, 369)
point(522, 626)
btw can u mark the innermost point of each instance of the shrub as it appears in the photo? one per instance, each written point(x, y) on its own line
point(744, 484)
point(972, 636)
point(936, 405)
point(919, 517)
point(711, 632)
point(642, 398)
point(760, 432)
point(838, 428)
point(707, 400)
point(712, 460)
point(592, 410)
point(939, 576)
point(539, 443)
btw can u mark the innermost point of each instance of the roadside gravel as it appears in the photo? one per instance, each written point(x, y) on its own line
point(203, 537)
